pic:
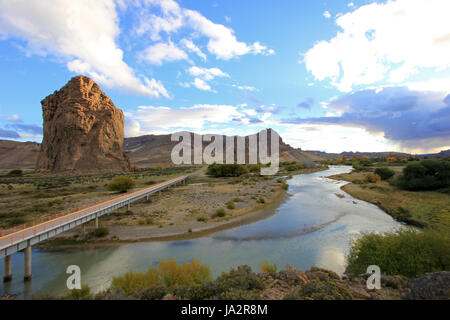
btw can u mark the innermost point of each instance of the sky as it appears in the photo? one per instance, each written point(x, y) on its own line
point(326, 75)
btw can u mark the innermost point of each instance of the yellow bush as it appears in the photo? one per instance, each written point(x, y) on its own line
point(168, 274)
point(372, 178)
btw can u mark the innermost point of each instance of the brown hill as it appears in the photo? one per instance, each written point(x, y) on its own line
point(149, 150)
point(18, 155)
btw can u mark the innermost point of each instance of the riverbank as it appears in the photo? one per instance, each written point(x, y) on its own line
point(204, 206)
point(417, 208)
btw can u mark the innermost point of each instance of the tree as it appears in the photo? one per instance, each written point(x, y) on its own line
point(159, 166)
point(121, 184)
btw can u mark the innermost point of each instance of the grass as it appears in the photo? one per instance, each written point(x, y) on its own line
point(420, 208)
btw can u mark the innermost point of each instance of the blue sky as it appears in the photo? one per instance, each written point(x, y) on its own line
point(331, 76)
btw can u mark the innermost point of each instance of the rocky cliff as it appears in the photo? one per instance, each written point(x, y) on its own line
point(83, 130)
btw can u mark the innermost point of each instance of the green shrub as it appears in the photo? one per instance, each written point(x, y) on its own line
point(79, 294)
point(100, 232)
point(323, 290)
point(254, 168)
point(231, 205)
point(121, 184)
point(261, 200)
point(238, 283)
point(219, 213)
point(155, 292)
point(15, 172)
point(405, 252)
point(427, 174)
point(284, 186)
point(384, 173)
point(226, 170)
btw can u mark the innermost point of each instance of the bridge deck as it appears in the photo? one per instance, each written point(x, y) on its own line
point(19, 240)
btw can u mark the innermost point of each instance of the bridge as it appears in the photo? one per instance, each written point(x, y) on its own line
point(24, 239)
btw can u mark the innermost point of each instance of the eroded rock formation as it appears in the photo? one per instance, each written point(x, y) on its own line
point(83, 131)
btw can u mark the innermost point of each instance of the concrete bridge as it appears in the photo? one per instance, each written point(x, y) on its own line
point(23, 240)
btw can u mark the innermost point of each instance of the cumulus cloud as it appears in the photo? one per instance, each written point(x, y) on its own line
point(203, 75)
point(188, 44)
point(207, 74)
point(201, 84)
point(222, 41)
point(81, 32)
point(384, 42)
point(415, 120)
point(327, 14)
point(189, 118)
point(162, 52)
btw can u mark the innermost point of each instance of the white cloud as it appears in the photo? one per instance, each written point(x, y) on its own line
point(335, 138)
point(164, 118)
point(203, 75)
point(327, 14)
point(81, 32)
point(384, 42)
point(207, 74)
point(201, 84)
point(221, 40)
point(161, 52)
point(245, 88)
point(14, 118)
point(193, 48)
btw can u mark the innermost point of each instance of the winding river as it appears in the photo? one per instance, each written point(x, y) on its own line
point(312, 228)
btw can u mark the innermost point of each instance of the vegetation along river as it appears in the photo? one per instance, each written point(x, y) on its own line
point(313, 227)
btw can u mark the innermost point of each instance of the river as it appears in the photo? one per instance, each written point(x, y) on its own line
point(313, 227)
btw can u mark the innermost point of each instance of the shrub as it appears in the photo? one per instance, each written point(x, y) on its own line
point(323, 290)
point(425, 175)
point(261, 200)
point(121, 184)
point(384, 173)
point(371, 178)
point(238, 284)
point(79, 294)
point(405, 252)
point(168, 275)
point(254, 168)
point(231, 205)
point(267, 267)
point(15, 172)
point(226, 170)
point(219, 213)
point(100, 232)
point(284, 185)
point(146, 221)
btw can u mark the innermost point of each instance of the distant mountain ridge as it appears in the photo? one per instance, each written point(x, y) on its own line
point(149, 150)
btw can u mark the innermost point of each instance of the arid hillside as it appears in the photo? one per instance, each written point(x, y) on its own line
point(21, 155)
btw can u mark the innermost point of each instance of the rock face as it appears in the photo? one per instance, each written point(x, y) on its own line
point(83, 131)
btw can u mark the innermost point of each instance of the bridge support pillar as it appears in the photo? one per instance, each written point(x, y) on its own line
point(27, 252)
point(96, 222)
point(84, 228)
point(129, 205)
point(7, 277)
